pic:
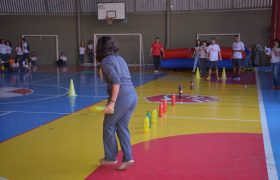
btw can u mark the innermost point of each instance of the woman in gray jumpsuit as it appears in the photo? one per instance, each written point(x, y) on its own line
point(121, 102)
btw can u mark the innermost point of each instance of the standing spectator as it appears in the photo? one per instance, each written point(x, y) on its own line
point(275, 64)
point(248, 65)
point(25, 49)
point(90, 51)
point(9, 49)
point(19, 54)
point(237, 50)
point(196, 54)
point(214, 55)
point(82, 50)
point(203, 59)
point(3, 51)
point(156, 50)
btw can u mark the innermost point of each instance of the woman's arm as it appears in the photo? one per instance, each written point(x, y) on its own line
point(111, 104)
point(162, 50)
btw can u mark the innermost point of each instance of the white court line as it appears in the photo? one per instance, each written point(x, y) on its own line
point(270, 161)
point(215, 119)
point(40, 99)
point(5, 113)
point(34, 112)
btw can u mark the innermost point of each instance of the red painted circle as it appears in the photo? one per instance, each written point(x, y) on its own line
point(8, 92)
point(194, 157)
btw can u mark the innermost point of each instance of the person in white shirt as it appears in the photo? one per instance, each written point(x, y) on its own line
point(237, 50)
point(90, 49)
point(203, 59)
point(196, 54)
point(9, 49)
point(214, 55)
point(25, 49)
point(82, 50)
point(275, 64)
point(19, 54)
point(3, 51)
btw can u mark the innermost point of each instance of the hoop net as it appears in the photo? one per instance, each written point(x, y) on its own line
point(109, 20)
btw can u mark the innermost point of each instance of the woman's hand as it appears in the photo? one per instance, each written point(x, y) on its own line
point(110, 108)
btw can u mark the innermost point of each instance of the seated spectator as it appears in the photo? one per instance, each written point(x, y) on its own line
point(13, 65)
point(25, 66)
point(62, 61)
point(33, 59)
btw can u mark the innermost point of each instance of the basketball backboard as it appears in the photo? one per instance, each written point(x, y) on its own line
point(111, 10)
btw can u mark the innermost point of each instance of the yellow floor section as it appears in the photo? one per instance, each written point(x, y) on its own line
point(69, 148)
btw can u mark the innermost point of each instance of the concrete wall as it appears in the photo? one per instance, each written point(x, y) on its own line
point(253, 26)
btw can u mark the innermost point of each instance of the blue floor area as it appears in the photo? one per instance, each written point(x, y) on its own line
point(271, 100)
point(49, 99)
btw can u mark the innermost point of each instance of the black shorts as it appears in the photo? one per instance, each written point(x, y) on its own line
point(214, 65)
point(236, 63)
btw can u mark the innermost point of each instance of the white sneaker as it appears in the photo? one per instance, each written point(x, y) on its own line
point(238, 79)
point(126, 165)
point(104, 162)
point(156, 71)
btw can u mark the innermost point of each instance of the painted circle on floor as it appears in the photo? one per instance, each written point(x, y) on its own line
point(185, 99)
point(214, 156)
point(9, 92)
point(36, 92)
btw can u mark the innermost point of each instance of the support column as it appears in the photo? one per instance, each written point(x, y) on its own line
point(167, 25)
point(275, 18)
point(78, 10)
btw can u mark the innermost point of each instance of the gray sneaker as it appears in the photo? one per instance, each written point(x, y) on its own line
point(126, 165)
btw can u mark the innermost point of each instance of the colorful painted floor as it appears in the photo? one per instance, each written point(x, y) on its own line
point(216, 131)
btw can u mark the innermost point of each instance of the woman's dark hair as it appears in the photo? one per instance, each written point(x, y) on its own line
point(204, 42)
point(10, 44)
point(277, 40)
point(196, 43)
point(106, 46)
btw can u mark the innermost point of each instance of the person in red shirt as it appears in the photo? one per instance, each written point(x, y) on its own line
point(156, 50)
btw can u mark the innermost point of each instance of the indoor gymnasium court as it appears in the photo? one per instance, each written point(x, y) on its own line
point(206, 75)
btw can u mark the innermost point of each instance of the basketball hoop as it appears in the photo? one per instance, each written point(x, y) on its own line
point(109, 20)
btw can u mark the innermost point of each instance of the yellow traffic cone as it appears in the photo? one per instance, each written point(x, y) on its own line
point(72, 91)
point(146, 124)
point(197, 74)
point(2, 67)
point(154, 116)
point(224, 76)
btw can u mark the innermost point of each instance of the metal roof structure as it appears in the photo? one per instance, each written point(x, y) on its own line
point(69, 7)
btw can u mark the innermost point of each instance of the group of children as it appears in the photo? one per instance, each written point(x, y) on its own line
point(17, 59)
point(204, 53)
point(62, 61)
point(90, 52)
point(212, 52)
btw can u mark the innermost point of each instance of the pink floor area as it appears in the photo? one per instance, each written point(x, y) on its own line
point(217, 156)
